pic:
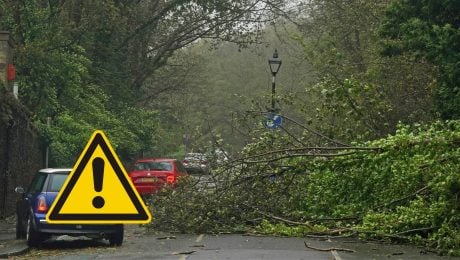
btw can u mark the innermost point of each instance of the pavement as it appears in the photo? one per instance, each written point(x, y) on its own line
point(9, 245)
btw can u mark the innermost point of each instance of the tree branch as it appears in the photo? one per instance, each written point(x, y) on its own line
point(403, 198)
point(279, 218)
point(329, 249)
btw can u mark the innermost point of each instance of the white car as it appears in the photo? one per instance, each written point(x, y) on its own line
point(196, 163)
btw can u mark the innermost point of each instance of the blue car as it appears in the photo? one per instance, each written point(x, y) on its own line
point(31, 210)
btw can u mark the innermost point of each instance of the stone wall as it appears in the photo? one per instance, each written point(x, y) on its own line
point(21, 154)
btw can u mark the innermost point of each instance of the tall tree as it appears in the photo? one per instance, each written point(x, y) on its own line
point(86, 63)
point(359, 93)
point(429, 30)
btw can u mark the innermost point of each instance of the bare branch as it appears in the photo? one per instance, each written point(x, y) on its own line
point(279, 218)
point(329, 249)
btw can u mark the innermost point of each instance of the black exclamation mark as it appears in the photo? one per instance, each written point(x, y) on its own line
point(98, 176)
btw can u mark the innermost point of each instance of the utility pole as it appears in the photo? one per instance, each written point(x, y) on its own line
point(47, 152)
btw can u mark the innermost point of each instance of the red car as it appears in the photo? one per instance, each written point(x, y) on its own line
point(152, 174)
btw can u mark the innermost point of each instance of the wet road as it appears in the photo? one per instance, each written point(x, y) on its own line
point(138, 244)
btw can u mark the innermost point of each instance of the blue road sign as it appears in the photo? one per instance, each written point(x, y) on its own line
point(273, 121)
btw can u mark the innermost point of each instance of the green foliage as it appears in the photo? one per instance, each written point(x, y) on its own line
point(358, 95)
point(189, 208)
point(109, 65)
point(282, 229)
point(66, 51)
point(410, 186)
point(428, 30)
point(359, 108)
point(63, 78)
point(406, 188)
point(130, 132)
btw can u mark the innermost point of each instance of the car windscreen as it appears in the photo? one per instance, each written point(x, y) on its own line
point(156, 166)
point(56, 182)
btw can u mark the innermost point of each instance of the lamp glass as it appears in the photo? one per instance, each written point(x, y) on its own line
point(275, 63)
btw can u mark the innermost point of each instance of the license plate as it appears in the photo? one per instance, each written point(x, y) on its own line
point(147, 179)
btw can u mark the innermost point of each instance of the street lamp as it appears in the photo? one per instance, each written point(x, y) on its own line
point(275, 64)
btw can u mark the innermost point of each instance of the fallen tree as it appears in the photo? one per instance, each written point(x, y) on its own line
point(407, 190)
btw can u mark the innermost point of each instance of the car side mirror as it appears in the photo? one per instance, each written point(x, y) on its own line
point(19, 190)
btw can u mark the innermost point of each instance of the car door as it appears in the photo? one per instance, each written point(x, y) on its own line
point(26, 202)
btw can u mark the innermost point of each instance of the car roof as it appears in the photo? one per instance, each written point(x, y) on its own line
point(56, 170)
point(156, 160)
point(195, 154)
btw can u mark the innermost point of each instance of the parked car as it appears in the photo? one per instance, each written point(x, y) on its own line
point(150, 175)
point(33, 206)
point(196, 163)
point(220, 156)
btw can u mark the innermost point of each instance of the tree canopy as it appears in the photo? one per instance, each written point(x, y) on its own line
point(88, 63)
point(429, 30)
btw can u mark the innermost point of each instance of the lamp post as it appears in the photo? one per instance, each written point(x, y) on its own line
point(275, 64)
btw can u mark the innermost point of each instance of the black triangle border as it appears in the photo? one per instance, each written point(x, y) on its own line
point(56, 216)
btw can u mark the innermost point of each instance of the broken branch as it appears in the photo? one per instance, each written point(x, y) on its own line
point(329, 249)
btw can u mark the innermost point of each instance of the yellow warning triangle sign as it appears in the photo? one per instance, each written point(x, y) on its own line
point(98, 190)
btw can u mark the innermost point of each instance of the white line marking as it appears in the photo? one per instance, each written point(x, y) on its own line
point(336, 255)
point(199, 238)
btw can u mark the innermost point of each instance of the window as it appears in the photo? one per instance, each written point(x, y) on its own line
point(165, 166)
point(140, 166)
point(56, 182)
point(155, 166)
point(37, 183)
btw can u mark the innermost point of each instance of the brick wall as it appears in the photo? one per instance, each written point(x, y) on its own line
point(21, 154)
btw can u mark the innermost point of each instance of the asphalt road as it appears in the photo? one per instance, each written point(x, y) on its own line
point(139, 244)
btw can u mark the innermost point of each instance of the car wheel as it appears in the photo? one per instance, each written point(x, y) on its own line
point(34, 238)
point(20, 230)
point(116, 239)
